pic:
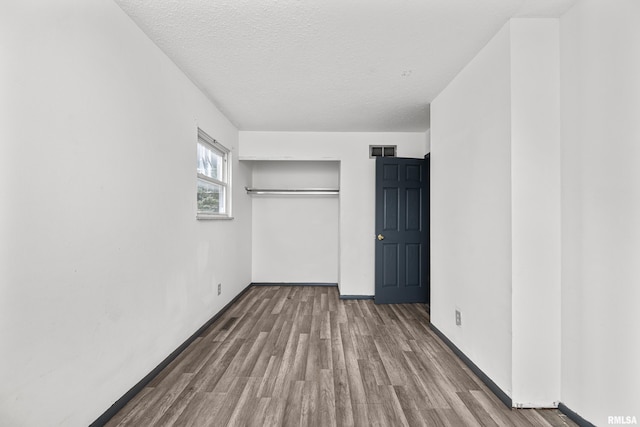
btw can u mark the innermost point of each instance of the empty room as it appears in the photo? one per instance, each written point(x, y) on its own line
point(319, 212)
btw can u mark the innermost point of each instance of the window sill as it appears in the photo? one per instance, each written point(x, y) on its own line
point(208, 217)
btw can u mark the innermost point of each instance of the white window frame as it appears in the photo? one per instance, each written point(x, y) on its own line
point(210, 143)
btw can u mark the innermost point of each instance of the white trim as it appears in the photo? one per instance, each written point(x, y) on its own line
point(211, 180)
point(206, 216)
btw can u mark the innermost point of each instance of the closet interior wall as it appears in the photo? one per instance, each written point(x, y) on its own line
point(295, 237)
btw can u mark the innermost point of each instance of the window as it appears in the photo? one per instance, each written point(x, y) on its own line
point(382, 151)
point(214, 179)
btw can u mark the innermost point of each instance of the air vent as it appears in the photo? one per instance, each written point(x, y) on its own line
point(382, 151)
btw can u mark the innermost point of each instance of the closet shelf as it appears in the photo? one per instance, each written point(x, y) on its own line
point(292, 191)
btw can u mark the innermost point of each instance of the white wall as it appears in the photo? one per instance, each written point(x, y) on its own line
point(594, 248)
point(105, 270)
point(495, 211)
point(535, 211)
point(294, 237)
point(427, 146)
point(600, 209)
point(357, 186)
point(471, 210)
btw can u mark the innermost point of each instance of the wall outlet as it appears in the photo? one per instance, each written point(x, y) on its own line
point(219, 288)
point(458, 318)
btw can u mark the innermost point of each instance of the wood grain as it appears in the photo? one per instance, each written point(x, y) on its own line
point(294, 355)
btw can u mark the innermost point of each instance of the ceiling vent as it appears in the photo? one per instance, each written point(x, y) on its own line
point(382, 151)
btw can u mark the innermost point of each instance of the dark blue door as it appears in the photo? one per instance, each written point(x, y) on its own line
point(402, 230)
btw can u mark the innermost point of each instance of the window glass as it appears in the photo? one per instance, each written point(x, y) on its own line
point(210, 162)
point(210, 197)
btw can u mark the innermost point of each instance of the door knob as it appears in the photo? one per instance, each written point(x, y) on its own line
point(380, 237)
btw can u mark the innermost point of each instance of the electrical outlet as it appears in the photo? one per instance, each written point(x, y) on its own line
point(458, 318)
point(219, 288)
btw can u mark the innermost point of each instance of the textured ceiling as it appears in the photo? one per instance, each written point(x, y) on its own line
point(326, 65)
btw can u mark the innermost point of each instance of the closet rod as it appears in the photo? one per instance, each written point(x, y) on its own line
point(295, 191)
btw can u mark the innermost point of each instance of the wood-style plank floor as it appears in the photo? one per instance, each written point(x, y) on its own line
point(290, 355)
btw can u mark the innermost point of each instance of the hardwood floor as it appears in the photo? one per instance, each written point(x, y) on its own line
point(301, 356)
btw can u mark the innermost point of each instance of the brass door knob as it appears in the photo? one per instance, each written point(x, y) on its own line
point(380, 237)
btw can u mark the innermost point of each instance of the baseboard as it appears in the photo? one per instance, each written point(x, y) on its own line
point(346, 297)
point(574, 416)
point(120, 403)
point(357, 297)
point(500, 394)
point(293, 284)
